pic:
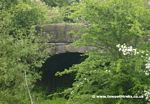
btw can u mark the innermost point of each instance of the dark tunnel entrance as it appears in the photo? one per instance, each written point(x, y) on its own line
point(56, 63)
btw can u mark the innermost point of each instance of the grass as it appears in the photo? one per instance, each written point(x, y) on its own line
point(54, 101)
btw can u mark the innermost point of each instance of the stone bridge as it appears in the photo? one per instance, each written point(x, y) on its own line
point(60, 36)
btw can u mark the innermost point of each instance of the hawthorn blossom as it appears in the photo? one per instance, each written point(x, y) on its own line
point(147, 66)
point(129, 50)
point(126, 50)
point(147, 95)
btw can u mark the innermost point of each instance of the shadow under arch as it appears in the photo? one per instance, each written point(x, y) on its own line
point(55, 63)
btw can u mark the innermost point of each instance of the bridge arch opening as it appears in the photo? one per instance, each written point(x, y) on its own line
point(55, 63)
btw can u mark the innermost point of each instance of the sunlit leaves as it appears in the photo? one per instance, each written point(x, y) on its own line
point(111, 71)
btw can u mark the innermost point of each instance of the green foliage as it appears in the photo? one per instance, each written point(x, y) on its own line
point(20, 55)
point(60, 3)
point(107, 71)
point(54, 101)
point(27, 15)
point(5, 4)
point(55, 15)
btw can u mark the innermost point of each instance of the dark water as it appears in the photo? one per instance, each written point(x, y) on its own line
point(57, 63)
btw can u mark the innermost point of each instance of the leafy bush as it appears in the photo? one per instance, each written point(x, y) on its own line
point(116, 66)
point(21, 55)
point(55, 15)
point(54, 101)
point(27, 15)
point(60, 3)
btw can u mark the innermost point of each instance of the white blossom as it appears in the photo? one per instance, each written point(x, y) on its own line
point(126, 50)
point(129, 50)
point(147, 73)
point(147, 65)
point(85, 79)
point(107, 71)
point(147, 95)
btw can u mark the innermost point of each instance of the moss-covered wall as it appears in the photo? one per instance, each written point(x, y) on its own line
point(62, 32)
point(61, 35)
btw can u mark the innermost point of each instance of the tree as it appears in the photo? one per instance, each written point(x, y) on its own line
point(21, 53)
point(116, 66)
point(60, 3)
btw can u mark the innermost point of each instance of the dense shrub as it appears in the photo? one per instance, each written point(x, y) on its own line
point(21, 53)
point(116, 28)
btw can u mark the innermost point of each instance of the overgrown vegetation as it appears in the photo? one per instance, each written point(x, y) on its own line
point(119, 63)
point(20, 50)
